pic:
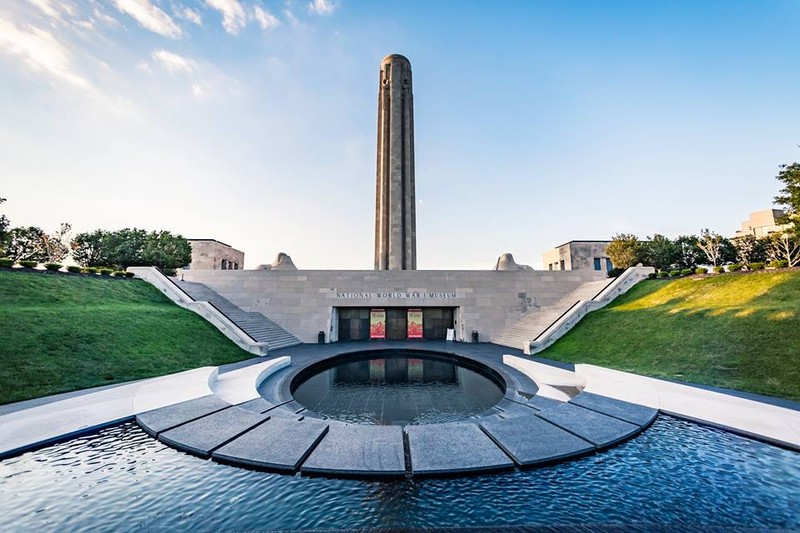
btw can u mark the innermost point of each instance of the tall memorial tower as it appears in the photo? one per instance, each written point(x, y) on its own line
point(395, 209)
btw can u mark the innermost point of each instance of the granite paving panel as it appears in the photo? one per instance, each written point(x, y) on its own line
point(277, 444)
point(164, 418)
point(202, 436)
point(531, 440)
point(354, 450)
point(541, 403)
point(453, 448)
point(258, 405)
point(599, 429)
point(630, 412)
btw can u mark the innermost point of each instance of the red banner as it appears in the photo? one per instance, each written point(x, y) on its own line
point(414, 323)
point(377, 324)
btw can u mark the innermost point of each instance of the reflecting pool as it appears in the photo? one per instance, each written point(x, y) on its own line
point(397, 388)
point(676, 472)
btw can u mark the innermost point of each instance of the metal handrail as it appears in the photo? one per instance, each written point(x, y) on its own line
point(556, 320)
point(607, 285)
point(220, 311)
point(175, 284)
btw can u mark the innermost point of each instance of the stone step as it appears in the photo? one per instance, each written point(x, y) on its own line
point(258, 326)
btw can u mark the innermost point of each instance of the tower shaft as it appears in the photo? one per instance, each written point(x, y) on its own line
point(395, 204)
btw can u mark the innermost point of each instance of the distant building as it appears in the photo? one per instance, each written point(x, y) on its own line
point(210, 254)
point(762, 223)
point(578, 255)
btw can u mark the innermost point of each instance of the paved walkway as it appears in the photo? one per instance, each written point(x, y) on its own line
point(37, 423)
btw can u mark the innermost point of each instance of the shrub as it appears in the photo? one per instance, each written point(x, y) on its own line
point(780, 263)
point(106, 271)
point(674, 273)
point(686, 272)
point(129, 274)
point(652, 275)
point(118, 273)
point(74, 269)
point(719, 269)
point(663, 274)
point(734, 267)
point(701, 270)
point(89, 270)
point(53, 267)
point(6, 262)
point(172, 272)
point(755, 266)
point(28, 264)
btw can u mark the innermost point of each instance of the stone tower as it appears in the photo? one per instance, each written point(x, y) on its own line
point(395, 209)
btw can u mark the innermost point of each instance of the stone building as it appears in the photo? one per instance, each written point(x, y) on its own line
point(210, 254)
point(762, 223)
point(578, 255)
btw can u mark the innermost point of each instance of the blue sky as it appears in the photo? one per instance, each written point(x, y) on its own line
point(537, 122)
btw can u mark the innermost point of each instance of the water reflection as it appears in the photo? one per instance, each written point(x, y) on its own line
point(398, 390)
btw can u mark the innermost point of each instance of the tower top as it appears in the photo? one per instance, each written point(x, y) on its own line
point(395, 57)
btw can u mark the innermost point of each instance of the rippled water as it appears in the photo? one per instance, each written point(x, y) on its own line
point(676, 472)
point(398, 390)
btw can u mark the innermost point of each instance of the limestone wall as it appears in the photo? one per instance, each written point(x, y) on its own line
point(303, 301)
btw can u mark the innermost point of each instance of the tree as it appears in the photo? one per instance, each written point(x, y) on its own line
point(711, 245)
point(689, 254)
point(789, 196)
point(123, 248)
point(785, 246)
point(624, 250)
point(165, 250)
point(89, 249)
point(4, 223)
point(659, 252)
point(26, 244)
point(56, 245)
point(750, 250)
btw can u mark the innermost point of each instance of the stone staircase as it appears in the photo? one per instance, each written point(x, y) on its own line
point(259, 327)
point(534, 323)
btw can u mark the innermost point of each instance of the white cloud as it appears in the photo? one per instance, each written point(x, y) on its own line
point(233, 14)
point(293, 20)
point(265, 19)
point(191, 15)
point(321, 7)
point(173, 62)
point(46, 7)
point(151, 17)
point(105, 18)
point(41, 52)
point(197, 90)
point(142, 66)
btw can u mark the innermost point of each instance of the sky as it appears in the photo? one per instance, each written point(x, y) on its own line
point(537, 122)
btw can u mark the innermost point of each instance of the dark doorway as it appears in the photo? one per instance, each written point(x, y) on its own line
point(396, 324)
point(353, 324)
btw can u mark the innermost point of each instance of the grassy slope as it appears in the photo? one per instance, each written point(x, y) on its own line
point(65, 333)
point(740, 331)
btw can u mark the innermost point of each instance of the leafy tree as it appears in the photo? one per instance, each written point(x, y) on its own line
point(659, 252)
point(749, 249)
point(165, 250)
point(689, 254)
point(26, 244)
point(123, 248)
point(789, 196)
point(624, 250)
point(88, 249)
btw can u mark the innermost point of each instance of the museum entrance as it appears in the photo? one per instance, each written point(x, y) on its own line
point(394, 323)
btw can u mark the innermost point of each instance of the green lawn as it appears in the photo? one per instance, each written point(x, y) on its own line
point(64, 333)
point(740, 331)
